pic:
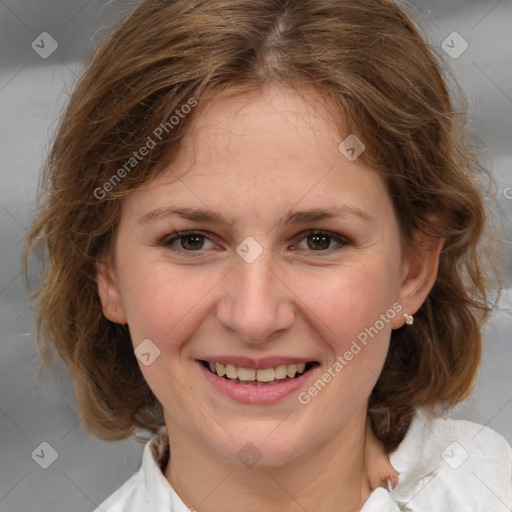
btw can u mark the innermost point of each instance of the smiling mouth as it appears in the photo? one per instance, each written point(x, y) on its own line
point(260, 377)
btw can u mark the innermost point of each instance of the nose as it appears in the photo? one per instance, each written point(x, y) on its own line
point(256, 305)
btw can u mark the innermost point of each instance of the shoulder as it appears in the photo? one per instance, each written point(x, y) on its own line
point(130, 497)
point(448, 464)
point(147, 490)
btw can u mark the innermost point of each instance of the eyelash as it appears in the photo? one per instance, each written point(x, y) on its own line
point(177, 235)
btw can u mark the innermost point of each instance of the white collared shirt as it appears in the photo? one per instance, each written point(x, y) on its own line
point(445, 465)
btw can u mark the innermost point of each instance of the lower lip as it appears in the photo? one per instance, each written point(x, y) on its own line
point(249, 394)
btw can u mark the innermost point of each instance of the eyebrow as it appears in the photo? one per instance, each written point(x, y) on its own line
point(322, 214)
point(194, 214)
point(302, 216)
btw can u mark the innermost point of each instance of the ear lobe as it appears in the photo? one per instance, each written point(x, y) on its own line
point(419, 276)
point(109, 294)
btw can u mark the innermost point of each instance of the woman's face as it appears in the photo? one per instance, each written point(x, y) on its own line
point(286, 254)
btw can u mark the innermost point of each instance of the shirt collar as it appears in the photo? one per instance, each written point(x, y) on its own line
point(405, 459)
point(416, 457)
point(161, 495)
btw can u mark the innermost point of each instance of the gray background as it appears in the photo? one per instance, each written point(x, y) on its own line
point(33, 91)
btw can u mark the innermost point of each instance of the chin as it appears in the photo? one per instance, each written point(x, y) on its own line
point(261, 450)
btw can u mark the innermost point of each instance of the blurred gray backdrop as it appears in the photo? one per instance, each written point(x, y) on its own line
point(43, 44)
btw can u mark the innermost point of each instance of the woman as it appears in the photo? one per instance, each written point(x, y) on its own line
point(262, 224)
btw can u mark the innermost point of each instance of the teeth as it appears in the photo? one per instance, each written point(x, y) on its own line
point(231, 371)
point(249, 375)
point(265, 375)
point(291, 370)
point(220, 369)
point(280, 371)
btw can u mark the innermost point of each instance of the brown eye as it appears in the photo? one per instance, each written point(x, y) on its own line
point(192, 242)
point(188, 241)
point(319, 241)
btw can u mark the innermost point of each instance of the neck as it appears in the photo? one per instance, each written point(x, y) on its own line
point(325, 478)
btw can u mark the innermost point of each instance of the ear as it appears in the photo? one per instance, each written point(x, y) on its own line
point(419, 275)
point(109, 293)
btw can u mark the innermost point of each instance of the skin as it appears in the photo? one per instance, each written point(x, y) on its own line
point(380, 471)
point(254, 158)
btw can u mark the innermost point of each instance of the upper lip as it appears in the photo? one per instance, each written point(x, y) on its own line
point(257, 364)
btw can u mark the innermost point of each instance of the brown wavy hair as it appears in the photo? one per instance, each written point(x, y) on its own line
point(381, 80)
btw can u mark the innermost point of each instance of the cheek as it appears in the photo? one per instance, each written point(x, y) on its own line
point(164, 306)
point(162, 303)
point(350, 300)
point(354, 310)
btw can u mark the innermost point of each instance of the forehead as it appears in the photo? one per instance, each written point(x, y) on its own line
point(265, 150)
point(271, 120)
